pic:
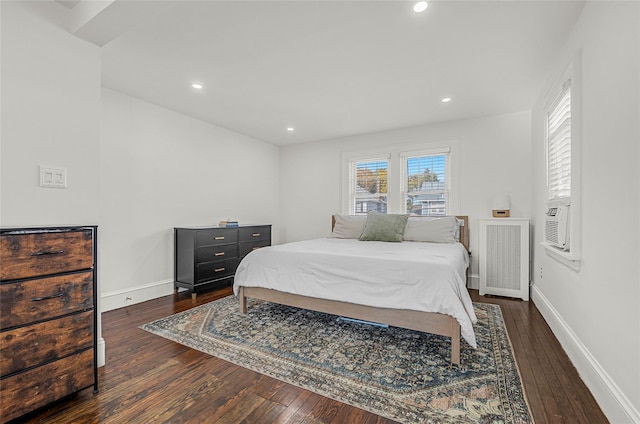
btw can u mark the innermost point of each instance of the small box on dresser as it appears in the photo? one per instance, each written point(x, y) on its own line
point(207, 257)
point(47, 316)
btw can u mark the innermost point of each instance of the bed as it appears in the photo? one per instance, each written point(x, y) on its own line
point(413, 284)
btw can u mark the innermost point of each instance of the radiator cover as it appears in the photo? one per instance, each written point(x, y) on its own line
point(504, 257)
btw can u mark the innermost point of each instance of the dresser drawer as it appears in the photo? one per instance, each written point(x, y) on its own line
point(248, 247)
point(34, 254)
point(216, 236)
point(38, 299)
point(216, 253)
point(214, 270)
point(33, 345)
point(24, 392)
point(255, 233)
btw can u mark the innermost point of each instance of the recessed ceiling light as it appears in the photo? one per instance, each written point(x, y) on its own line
point(291, 129)
point(446, 100)
point(196, 85)
point(420, 6)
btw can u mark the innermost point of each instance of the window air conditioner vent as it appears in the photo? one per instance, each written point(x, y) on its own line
point(556, 227)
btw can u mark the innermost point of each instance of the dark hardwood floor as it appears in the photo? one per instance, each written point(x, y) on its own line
point(148, 379)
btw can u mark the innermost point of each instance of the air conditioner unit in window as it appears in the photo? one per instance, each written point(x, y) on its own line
point(556, 227)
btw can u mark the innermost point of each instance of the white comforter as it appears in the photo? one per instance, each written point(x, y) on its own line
point(409, 275)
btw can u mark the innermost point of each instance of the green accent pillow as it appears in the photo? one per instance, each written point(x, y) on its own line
point(384, 227)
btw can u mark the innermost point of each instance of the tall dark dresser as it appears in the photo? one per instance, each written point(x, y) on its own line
point(48, 340)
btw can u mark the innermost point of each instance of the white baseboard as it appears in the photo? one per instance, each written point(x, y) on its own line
point(132, 295)
point(122, 298)
point(615, 405)
point(102, 351)
point(473, 281)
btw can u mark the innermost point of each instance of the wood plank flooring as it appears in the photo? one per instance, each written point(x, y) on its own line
point(148, 379)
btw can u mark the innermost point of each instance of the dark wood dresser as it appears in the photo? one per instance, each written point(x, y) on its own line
point(207, 257)
point(48, 340)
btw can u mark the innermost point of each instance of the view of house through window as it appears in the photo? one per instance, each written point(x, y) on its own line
point(369, 181)
point(426, 185)
point(415, 182)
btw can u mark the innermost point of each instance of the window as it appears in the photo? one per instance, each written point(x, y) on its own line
point(558, 121)
point(425, 183)
point(561, 119)
point(368, 183)
point(413, 179)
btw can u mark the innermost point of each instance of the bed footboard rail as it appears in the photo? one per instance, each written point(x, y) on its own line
point(428, 322)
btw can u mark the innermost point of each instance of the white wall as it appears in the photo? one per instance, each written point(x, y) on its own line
point(595, 311)
point(50, 116)
point(159, 170)
point(494, 158)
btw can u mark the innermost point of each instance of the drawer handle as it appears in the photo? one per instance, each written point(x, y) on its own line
point(47, 252)
point(219, 238)
point(53, 296)
point(219, 269)
point(256, 234)
point(218, 254)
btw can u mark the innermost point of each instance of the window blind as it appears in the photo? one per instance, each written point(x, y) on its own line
point(426, 184)
point(368, 185)
point(559, 145)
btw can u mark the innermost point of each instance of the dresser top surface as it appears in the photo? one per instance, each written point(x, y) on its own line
point(46, 229)
point(216, 227)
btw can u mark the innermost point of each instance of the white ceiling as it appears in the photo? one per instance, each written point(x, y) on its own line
point(337, 68)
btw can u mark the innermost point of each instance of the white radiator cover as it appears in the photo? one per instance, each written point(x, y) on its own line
point(504, 257)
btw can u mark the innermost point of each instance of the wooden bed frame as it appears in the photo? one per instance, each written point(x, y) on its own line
point(428, 322)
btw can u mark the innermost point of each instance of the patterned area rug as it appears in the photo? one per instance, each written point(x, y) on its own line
point(396, 373)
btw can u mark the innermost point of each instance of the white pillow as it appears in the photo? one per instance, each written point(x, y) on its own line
point(439, 230)
point(349, 226)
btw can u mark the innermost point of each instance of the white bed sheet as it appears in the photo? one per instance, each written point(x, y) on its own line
point(419, 276)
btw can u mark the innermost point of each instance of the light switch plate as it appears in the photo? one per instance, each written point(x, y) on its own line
point(53, 177)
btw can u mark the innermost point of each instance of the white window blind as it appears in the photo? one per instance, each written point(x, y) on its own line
point(559, 145)
point(368, 185)
point(426, 183)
